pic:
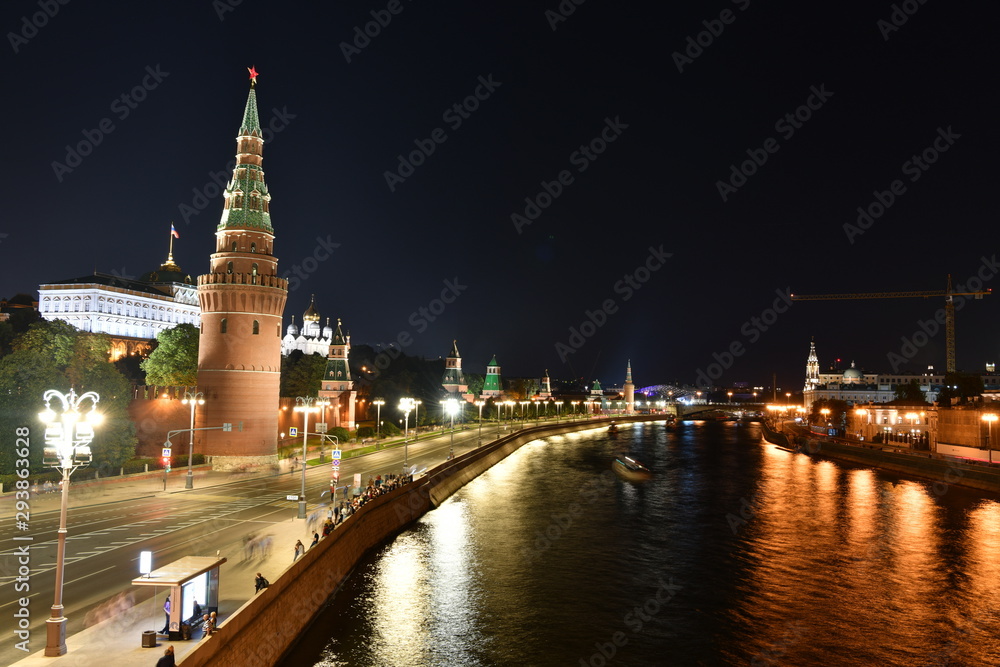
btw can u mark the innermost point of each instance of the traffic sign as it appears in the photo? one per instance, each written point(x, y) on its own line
point(292, 432)
point(166, 452)
point(321, 427)
point(336, 454)
point(336, 463)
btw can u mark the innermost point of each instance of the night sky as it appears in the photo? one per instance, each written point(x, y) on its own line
point(641, 125)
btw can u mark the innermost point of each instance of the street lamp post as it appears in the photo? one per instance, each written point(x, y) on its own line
point(524, 408)
point(305, 405)
point(416, 419)
point(451, 407)
point(574, 404)
point(67, 447)
point(989, 418)
point(559, 404)
point(194, 400)
point(480, 404)
point(378, 403)
point(405, 405)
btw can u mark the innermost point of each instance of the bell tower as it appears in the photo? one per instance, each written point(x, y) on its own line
point(242, 300)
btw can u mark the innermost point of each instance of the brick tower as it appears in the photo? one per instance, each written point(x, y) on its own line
point(242, 299)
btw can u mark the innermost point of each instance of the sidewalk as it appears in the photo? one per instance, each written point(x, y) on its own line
point(119, 639)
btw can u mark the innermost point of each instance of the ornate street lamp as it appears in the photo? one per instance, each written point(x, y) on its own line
point(989, 418)
point(194, 400)
point(67, 447)
point(305, 405)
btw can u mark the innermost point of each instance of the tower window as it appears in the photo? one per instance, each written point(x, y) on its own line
point(253, 247)
point(229, 267)
point(222, 325)
point(256, 327)
point(253, 269)
point(234, 249)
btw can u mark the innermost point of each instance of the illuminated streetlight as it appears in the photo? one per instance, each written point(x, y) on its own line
point(524, 408)
point(378, 403)
point(480, 404)
point(559, 404)
point(574, 404)
point(989, 418)
point(67, 447)
point(451, 407)
point(405, 405)
point(193, 400)
point(305, 405)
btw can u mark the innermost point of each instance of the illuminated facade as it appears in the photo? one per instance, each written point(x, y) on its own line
point(337, 386)
point(131, 312)
point(242, 299)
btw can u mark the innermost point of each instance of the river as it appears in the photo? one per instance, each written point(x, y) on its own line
point(735, 553)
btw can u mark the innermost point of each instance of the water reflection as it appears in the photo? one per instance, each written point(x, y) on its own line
point(778, 559)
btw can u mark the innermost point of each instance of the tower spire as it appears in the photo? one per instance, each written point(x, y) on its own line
point(248, 202)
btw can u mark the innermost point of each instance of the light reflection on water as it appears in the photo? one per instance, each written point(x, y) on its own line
point(548, 558)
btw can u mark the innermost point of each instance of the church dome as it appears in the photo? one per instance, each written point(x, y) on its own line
point(292, 329)
point(853, 374)
point(311, 315)
point(328, 330)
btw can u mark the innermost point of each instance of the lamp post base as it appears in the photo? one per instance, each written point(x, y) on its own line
point(302, 509)
point(55, 634)
point(189, 480)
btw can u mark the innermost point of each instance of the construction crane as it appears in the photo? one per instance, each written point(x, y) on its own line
point(949, 307)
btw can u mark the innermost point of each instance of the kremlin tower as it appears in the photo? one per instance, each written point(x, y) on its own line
point(337, 386)
point(453, 381)
point(629, 390)
point(242, 300)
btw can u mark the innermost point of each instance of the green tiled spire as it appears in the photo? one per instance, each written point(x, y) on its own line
point(251, 122)
point(248, 202)
point(491, 384)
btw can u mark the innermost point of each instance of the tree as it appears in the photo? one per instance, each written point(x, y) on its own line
point(838, 411)
point(475, 382)
point(962, 386)
point(54, 355)
point(302, 374)
point(910, 392)
point(174, 362)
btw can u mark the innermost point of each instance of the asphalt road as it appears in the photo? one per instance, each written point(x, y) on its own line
point(104, 540)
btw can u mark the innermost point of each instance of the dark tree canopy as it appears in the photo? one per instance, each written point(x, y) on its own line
point(174, 362)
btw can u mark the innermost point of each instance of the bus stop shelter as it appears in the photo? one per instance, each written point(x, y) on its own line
point(188, 580)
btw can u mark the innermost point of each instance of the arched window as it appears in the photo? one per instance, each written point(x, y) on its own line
point(256, 327)
point(234, 249)
point(253, 247)
point(253, 269)
point(222, 325)
point(229, 267)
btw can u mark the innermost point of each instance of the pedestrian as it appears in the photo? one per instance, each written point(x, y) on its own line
point(260, 583)
point(299, 550)
point(206, 626)
point(166, 610)
point(315, 540)
point(196, 609)
point(168, 658)
point(214, 619)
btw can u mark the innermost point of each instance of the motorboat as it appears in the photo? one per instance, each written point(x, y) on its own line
point(631, 470)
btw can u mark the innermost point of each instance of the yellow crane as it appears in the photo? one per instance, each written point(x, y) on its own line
point(949, 307)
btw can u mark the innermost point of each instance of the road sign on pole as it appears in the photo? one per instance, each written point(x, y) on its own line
point(336, 454)
point(292, 432)
point(166, 452)
point(336, 463)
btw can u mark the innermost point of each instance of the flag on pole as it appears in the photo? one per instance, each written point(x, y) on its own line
point(173, 231)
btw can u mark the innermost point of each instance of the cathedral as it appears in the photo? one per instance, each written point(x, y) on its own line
point(310, 339)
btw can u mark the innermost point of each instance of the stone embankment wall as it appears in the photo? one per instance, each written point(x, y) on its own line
point(264, 628)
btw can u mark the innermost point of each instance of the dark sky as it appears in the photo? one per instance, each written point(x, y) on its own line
point(885, 95)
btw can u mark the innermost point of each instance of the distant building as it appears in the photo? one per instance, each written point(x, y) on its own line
point(453, 381)
point(856, 386)
point(629, 390)
point(131, 312)
point(545, 392)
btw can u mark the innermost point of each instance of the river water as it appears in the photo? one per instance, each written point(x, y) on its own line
point(736, 552)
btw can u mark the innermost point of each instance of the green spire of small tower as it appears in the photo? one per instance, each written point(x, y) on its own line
point(491, 384)
point(248, 202)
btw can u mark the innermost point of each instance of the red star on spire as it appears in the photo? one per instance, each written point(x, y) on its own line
point(253, 75)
